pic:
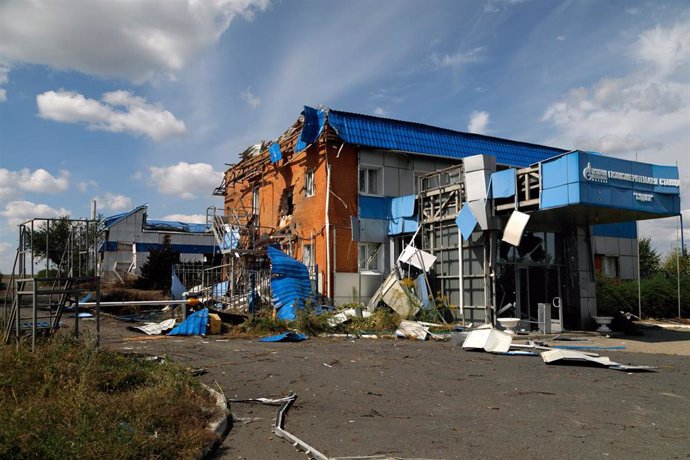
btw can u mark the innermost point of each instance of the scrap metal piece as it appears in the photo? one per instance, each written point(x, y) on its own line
point(515, 228)
point(488, 339)
point(412, 330)
point(280, 431)
point(555, 355)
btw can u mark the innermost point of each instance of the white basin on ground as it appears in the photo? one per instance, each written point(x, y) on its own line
point(509, 324)
point(603, 322)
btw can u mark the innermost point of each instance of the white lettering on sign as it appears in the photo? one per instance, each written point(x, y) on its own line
point(603, 176)
point(644, 197)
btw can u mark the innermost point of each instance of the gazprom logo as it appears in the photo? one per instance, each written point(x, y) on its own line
point(595, 174)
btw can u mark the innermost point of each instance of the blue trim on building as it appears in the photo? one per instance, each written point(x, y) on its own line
point(618, 230)
point(111, 246)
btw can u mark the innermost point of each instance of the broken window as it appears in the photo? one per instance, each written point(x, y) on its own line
point(309, 187)
point(371, 257)
point(308, 255)
point(255, 201)
point(369, 180)
point(285, 206)
point(609, 266)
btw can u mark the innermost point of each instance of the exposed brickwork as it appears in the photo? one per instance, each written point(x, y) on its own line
point(308, 212)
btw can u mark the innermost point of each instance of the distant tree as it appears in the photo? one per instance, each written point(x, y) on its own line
point(671, 262)
point(50, 239)
point(650, 260)
point(157, 271)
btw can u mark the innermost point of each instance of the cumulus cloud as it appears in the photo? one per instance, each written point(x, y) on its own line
point(478, 122)
point(380, 112)
point(37, 181)
point(249, 97)
point(186, 180)
point(632, 113)
point(136, 40)
point(187, 218)
point(118, 111)
point(114, 202)
point(3, 95)
point(7, 251)
point(17, 212)
point(459, 59)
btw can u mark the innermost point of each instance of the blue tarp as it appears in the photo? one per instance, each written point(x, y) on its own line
point(402, 215)
point(502, 184)
point(176, 288)
point(195, 324)
point(314, 121)
point(290, 284)
point(466, 221)
point(275, 153)
point(285, 337)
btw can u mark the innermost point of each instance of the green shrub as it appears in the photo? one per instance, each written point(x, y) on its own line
point(659, 294)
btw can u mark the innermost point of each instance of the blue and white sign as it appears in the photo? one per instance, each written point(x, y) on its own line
point(592, 179)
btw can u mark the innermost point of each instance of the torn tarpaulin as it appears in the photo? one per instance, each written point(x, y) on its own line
point(285, 337)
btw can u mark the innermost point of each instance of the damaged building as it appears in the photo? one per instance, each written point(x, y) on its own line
point(128, 238)
point(513, 226)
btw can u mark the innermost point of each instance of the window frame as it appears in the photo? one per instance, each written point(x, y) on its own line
point(367, 184)
point(310, 183)
point(373, 253)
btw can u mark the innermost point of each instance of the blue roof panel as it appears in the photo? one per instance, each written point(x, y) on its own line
point(385, 133)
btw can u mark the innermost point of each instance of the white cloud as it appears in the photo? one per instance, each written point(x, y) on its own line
point(187, 218)
point(640, 111)
point(665, 49)
point(459, 59)
point(186, 180)
point(560, 38)
point(7, 252)
point(4, 71)
point(135, 40)
point(640, 115)
point(3, 94)
point(137, 117)
point(84, 186)
point(137, 176)
point(249, 97)
point(114, 202)
point(478, 122)
point(380, 112)
point(37, 181)
point(17, 212)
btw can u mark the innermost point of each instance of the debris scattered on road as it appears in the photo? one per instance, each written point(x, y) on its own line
point(155, 328)
point(285, 337)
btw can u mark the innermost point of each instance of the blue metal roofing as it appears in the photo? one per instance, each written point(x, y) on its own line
point(385, 133)
point(161, 225)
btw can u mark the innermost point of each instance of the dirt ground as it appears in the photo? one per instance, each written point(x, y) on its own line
point(433, 400)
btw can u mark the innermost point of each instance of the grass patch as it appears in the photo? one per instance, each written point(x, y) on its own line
point(70, 400)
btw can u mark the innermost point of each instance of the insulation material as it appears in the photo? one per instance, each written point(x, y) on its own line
point(417, 258)
point(515, 228)
point(412, 330)
point(290, 284)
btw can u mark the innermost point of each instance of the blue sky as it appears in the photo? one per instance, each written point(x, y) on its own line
point(144, 102)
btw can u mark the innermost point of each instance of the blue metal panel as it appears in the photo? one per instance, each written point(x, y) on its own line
point(290, 284)
point(618, 230)
point(466, 221)
point(502, 184)
point(314, 121)
point(181, 248)
point(374, 207)
point(554, 197)
point(390, 134)
point(195, 324)
point(275, 153)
